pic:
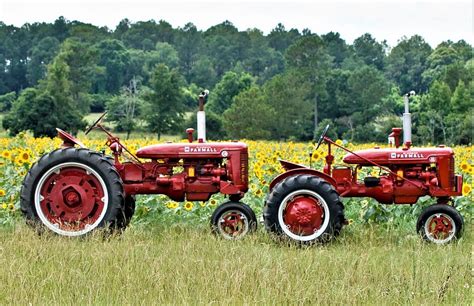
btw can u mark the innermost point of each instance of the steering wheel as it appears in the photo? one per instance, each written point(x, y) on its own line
point(95, 123)
point(322, 136)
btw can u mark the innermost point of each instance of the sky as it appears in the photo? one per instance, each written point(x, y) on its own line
point(434, 20)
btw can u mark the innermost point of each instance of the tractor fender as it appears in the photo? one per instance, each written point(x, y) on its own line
point(296, 171)
point(68, 139)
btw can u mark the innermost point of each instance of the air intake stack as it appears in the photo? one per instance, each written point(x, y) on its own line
point(201, 116)
point(407, 120)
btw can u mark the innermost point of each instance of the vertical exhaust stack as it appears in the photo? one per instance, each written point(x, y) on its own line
point(201, 116)
point(407, 120)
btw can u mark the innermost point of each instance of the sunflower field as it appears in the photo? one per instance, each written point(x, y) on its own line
point(17, 155)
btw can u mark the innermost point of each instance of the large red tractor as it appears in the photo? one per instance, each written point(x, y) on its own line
point(74, 190)
point(305, 204)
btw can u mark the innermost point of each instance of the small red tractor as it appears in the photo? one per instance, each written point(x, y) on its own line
point(304, 205)
point(72, 191)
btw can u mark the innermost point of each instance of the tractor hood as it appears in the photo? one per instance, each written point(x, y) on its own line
point(190, 150)
point(398, 156)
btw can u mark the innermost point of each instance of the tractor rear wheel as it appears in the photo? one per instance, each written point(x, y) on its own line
point(440, 224)
point(72, 192)
point(233, 220)
point(129, 208)
point(305, 209)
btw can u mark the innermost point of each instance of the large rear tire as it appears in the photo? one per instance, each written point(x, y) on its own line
point(72, 192)
point(305, 209)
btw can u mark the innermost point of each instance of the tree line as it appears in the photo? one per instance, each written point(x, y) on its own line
point(286, 85)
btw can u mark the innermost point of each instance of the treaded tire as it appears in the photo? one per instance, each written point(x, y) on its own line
point(233, 207)
point(303, 183)
point(442, 210)
point(129, 209)
point(114, 215)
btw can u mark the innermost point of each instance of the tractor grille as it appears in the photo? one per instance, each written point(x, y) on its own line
point(452, 177)
point(244, 168)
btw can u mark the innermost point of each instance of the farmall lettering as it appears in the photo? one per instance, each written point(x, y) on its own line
point(199, 150)
point(407, 155)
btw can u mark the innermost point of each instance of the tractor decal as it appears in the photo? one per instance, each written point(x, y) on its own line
point(199, 150)
point(407, 155)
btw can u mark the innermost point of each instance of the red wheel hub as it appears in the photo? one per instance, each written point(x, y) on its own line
point(440, 226)
point(303, 215)
point(72, 198)
point(232, 223)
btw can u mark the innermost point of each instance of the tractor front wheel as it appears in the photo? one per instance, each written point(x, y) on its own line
point(440, 224)
point(305, 209)
point(233, 220)
point(72, 191)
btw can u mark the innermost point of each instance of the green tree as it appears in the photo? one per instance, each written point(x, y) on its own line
point(43, 109)
point(250, 116)
point(370, 51)
point(164, 107)
point(406, 63)
point(188, 45)
point(368, 90)
point(81, 61)
point(309, 58)
point(228, 87)
point(436, 104)
point(459, 126)
point(124, 109)
point(114, 57)
point(40, 56)
point(336, 48)
point(6, 101)
point(167, 54)
point(203, 74)
point(438, 61)
point(289, 94)
point(280, 39)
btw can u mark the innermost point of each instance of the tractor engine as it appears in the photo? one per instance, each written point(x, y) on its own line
point(191, 171)
point(415, 173)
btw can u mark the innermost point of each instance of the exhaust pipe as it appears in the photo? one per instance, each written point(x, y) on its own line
point(201, 117)
point(407, 120)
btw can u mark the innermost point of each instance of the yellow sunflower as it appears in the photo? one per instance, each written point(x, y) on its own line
point(172, 205)
point(189, 206)
point(465, 166)
point(2, 193)
point(25, 156)
point(466, 189)
point(6, 154)
point(316, 156)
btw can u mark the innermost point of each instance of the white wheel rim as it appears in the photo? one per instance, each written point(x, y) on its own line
point(288, 199)
point(431, 236)
point(54, 226)
point(221, 222)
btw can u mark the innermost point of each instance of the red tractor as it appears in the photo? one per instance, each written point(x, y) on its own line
point(72, 191)
point(305, 205)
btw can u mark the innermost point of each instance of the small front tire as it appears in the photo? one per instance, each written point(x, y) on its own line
point(233, 220)
point(440, 224)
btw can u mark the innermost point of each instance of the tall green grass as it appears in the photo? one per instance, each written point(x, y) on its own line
point(184, 264)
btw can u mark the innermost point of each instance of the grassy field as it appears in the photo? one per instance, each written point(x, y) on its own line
point(383, 262)
point(187, 265)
